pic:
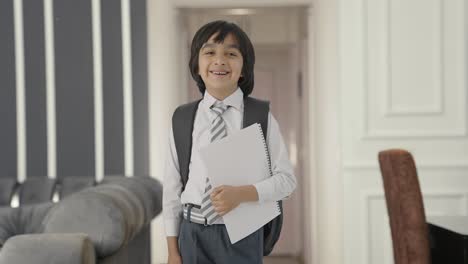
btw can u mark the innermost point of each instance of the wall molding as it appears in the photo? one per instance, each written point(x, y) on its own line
point(369, 165)
point(438, 107)
point(369, 133)
point(369, 196)
point(372, 134)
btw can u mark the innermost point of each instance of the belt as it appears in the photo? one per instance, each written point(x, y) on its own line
point(193, 214)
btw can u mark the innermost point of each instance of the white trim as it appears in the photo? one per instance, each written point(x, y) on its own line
point(312, 238)
point(381, 134)
point(166, 91)
point(50, 88)
point(438, 107)
point(127, 87)
point(325, 109)
point(98, 100)
point(20, 91)
point(370, 133)
point(240, 3)
point(423, 165)
point(367, 196)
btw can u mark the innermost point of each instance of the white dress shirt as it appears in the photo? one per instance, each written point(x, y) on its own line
point(275, 188)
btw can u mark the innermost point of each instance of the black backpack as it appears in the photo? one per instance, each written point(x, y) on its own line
point(255, 111)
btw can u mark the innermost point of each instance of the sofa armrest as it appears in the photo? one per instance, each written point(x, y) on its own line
point(111, 214)
point(48, 249)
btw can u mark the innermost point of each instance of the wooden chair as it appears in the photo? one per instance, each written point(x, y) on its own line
point(405, 207)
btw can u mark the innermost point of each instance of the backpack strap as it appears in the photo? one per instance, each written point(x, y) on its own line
point(256, 111)
point(182, 127)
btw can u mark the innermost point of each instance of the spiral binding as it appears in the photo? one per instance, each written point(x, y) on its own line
point(267, 154)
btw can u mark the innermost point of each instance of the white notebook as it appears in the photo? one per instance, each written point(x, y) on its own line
point(241, 159)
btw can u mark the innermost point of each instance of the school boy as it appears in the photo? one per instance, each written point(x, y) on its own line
point(222, 63)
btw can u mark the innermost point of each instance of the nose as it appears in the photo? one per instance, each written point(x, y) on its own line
point(220, 60)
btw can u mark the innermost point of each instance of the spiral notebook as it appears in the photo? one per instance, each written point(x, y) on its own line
point(241, 159)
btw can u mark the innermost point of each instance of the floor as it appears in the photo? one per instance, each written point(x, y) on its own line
point(280, 260)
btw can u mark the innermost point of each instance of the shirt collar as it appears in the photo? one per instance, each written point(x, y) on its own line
point(234, 100)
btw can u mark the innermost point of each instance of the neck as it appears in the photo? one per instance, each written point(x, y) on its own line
point(221, 94)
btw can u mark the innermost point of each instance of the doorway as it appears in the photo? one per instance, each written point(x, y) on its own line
point(279, 37)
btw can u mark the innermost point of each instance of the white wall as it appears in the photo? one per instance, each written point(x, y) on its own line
point(403, 72)
point(381, 74)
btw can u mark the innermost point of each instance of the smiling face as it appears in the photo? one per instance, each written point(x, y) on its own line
point(220, 66)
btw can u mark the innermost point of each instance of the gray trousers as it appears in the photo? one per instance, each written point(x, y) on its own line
point(199, 244)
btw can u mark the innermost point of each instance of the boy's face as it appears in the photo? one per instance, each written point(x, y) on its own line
point(220, 65)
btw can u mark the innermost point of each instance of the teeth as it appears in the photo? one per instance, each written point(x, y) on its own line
point(219, 73)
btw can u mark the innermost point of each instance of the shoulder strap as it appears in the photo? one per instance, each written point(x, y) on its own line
point(182, 127)
point(255, 111)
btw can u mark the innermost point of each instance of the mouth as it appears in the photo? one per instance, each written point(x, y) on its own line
point(219, 73)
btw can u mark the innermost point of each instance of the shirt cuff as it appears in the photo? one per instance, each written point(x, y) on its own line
point(172, 227)
point(262, 191)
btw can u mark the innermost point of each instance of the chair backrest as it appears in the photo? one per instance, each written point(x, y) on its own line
point(405, 207)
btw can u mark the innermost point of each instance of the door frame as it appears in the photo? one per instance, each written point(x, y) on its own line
point(323, 241)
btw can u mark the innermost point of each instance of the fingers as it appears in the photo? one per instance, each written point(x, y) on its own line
point(220, 208)
point(216, 191)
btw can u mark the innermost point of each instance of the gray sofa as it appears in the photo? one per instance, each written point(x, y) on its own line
point(105, 223)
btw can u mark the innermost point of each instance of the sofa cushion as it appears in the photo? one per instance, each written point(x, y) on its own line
point(7, 187)
point(73, 184)
point(148, 190)
point(22, 220)
point(7, 224)
point(36, 190)
point(48, 249)
point(128, 204)
point(91, 213)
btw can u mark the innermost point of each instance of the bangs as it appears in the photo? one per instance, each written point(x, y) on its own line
point(222, 29)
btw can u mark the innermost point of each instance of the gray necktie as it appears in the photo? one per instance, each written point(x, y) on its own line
point(217, 131)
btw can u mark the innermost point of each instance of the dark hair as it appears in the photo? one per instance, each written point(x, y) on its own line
point(223, 28)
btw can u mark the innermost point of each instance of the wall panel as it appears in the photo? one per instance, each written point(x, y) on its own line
point(140, 90)
point(74, 88)
point(34, 54)
point(8, 152)
point(403, 76)
point(112, 87)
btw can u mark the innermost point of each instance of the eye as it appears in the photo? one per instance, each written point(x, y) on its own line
point(233, 54)
point(209, 52)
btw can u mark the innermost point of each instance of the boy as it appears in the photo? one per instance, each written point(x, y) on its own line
point(221, 62)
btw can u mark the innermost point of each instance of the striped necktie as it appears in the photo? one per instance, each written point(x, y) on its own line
point(217, 131)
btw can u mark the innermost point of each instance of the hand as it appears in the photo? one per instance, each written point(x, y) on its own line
point(174, 259)
point(225, 198)
point(173, 250)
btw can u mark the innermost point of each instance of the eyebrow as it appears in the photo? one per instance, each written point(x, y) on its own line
point(212, 45)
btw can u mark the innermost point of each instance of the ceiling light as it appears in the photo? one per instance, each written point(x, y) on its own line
point(240, 11)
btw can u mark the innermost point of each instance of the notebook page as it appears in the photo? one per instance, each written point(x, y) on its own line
point(240, 159)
